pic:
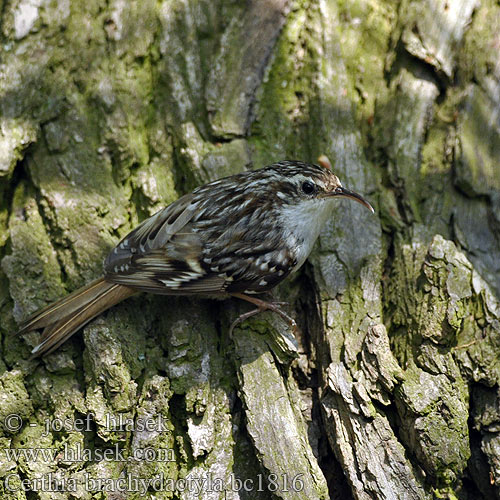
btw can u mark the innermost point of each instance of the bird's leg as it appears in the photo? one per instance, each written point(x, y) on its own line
point(262, 306)
point(241, 318)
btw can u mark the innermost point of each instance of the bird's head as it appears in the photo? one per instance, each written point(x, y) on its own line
point(305, 182)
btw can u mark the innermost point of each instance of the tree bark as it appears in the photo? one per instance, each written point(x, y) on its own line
point(111, 110)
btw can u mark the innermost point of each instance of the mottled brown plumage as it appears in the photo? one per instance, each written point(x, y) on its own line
point(239, 235)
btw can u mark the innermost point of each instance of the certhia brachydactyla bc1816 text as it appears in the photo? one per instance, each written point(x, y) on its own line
point(237, 236)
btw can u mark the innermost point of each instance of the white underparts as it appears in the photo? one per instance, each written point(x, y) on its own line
point(302, 224)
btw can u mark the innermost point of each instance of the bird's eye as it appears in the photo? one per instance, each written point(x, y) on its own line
point(308, 187)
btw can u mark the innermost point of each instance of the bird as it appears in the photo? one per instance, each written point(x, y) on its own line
point(238, 236)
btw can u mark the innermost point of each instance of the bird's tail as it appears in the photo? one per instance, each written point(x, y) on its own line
point(63, 318)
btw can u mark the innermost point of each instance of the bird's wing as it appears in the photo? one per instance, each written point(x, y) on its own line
point(200, 246)
point(152, 233)
point(162, 255)
point(249, 250)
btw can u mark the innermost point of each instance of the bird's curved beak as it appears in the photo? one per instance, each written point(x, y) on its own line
point(347, 193)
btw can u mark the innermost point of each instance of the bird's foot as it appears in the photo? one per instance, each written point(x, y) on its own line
point(262, 306)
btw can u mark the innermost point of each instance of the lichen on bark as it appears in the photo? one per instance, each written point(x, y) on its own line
point(111, 110)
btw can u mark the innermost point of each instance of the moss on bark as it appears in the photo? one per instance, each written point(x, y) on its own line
point(109, 111)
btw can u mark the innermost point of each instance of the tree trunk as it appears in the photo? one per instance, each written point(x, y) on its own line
point(111, 110)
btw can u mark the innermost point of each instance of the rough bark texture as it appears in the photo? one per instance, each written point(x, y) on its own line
point(110, 110)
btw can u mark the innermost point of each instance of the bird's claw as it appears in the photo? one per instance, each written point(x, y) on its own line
point(265, 306)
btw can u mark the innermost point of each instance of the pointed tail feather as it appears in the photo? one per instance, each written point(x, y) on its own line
point(64, 317)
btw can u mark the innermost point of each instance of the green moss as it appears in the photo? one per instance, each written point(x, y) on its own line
point(119, 113)
point(365, 29)
point(479, 54)
point(477, 166)
point(270, 408)
point(282, 112)
point(434, 152)
point(433, 413)
point(440, 318)
point(15, 398)
point(32, 268)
